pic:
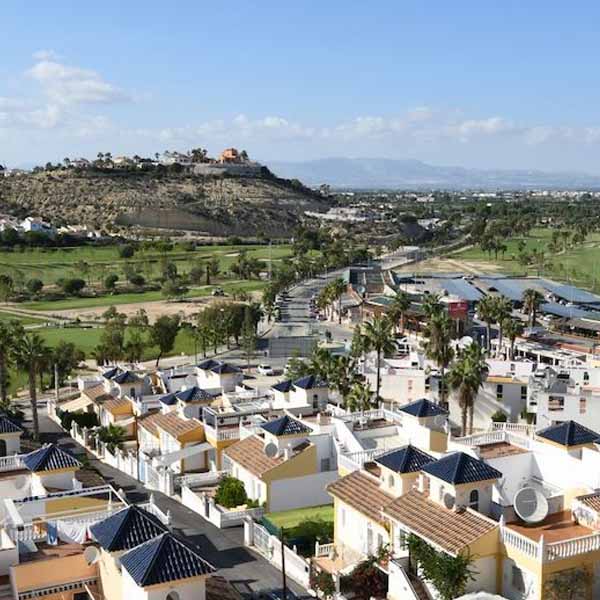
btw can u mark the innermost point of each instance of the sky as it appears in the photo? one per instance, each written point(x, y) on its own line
point(508, 85)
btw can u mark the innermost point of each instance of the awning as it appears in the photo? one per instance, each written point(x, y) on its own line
point(187, 452)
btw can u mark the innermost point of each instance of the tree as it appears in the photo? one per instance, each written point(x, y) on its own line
point(397, 311)
point(72, 287)
point(378, 338)
point(248, 335)
point(571, 584)
point(231, 493)
point(163, 334)
point(173, 289)
point(112, 436)
point(64, 357)
point(30, 355)
point(359, 397)
point(466, 377)
point(512, 329)
point(110, 281)
point(431, 304)
point(367, 580)
point(503, 312)
point(34, 286)
point(486, 310)
point(112, 340)
point(342, 375)
point(136, 343)
point(322, 582)
point(532, 300)
point(10, 332)
point(338, 287)
point(126, 251)
point(438, 333)
point(214, 266)
point(6, 287)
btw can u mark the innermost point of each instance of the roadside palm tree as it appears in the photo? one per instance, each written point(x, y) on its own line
point(437, 347)
point(466, 377)
point(338, 287)
point(30, 354)
point(9, 333)
point(503, 312)
point(398, 308)
point(512, 329)
point(532, 300)
point(431, 304)
point(486, 310)
point(321, 363)
point(359, 398)
point(112, 435)
point(378, 337)
point(342, 375)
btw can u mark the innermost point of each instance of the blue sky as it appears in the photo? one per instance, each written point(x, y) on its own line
point(478, 84)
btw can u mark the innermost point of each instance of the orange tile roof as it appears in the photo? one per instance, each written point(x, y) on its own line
point(249, 453)
point(450, 530)
point(176, 426)
point(148, 422)
point(97, 393)
point(116, 403)
point(361, 492)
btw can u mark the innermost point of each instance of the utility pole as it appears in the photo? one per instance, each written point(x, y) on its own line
point(56, 382)
point(284, 579)
point(270, 261)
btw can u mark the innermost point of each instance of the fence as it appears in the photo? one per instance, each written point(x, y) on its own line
point(11, 463)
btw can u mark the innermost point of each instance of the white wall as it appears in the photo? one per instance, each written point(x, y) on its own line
point(191, 590)
point(485, 575)
point(9, 555)
point(61, 481)
point(13, 443)
point(300, 492)
point(354, 526)
point(508, 590)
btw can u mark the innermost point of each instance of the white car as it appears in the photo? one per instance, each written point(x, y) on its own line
point(265, 369)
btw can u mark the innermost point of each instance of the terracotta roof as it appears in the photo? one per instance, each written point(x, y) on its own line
point(591, 501)
point(97, 393)
point(175, 425)
point(445, 528)
point(148, 422)
point(249, 453)
point(361, 492)
point(116, 403)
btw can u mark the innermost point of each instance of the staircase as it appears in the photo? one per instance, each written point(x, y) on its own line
point(418, 587)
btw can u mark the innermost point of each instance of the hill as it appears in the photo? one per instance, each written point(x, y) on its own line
point(215, 205)
point(413, 174)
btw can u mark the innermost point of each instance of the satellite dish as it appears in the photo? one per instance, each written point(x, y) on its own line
point(91, 555)
point(21, 481)
point(271, 450)
point(449, 501)
point(530, 505)
point(189, 412)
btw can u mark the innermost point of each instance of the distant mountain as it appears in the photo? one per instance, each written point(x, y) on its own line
point(389, 173)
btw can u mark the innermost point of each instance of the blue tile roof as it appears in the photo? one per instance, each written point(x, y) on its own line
point(50, 458)
point(168, 399)
point(125, 377)
point(461, 288)
point(309, 382)
point(405, 460)
point(7, 426)
point(286, 426)
point(459, 468)
point(208, 364)
point(568, 433)
point(194, 394)
point(423, 408)
point(223, 368)
point(283, 386)
point(112, 372)
point(163, 559)
point(127, 529)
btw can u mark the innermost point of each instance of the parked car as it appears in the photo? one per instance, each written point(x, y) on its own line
point(265, 369)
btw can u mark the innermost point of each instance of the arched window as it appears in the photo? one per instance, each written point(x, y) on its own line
point(391, 481)
point(172, 596)
point(474, 499)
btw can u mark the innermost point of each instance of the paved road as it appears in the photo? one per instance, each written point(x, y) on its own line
point(247, 571)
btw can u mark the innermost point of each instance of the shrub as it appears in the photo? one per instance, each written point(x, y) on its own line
point(126, 251)
point(82, 419)
point(137, 280)
point(71, 286)
point(231, 493)
point(499, 417)
point(110, 281)
point(34, 286)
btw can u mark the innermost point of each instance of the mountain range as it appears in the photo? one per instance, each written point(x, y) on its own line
point(379, 173)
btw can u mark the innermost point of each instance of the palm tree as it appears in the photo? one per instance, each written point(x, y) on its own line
point(321, 363)
point(503, 312)
point(338, 287)
point(359, 398)
point(466, 377)
point(112, 436)
point(532, 300)
point(30, 355)
point(512, 329)
point(378, 337)
point(431, 304)
point(9, 332)
point(437, 347)
point(398, 308)
point(342, 375)
point(486, 310)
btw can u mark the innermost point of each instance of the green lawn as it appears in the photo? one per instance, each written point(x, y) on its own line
point(133, 298)
point(290, 518)
point(23, 319)
point(577, 265)
point(51, 264)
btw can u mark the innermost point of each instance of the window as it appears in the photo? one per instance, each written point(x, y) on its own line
point(172, 596)
point(518, 582)
point(586, 377)
point(81, 596)
point(427, 384)
point(402, 540)
point(523, 393)
point(132, 392)
point(474, 499)
point(582, 406)
point(343, 516)
point(441, 493)
point(556, 403)
point(325, 464)
point(499, 391)
point(513, 367)
point(410, 385)
point(391, 481)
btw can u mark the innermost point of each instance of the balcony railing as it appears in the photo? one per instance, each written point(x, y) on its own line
point(11, 463)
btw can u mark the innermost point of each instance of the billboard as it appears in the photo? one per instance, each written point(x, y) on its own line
point(458, 310)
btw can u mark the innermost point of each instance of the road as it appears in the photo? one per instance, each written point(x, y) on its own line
point(247, 571)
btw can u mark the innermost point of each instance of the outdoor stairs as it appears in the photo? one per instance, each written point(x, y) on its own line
point(418, 587)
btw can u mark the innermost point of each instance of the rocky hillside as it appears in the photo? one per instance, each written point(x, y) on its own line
point(215, 205)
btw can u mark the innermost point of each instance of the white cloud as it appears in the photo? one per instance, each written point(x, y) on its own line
point(46, 55)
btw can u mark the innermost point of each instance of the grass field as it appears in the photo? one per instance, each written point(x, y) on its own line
point(51, 264)
point(24, 320)
point(579, 265)
point(288, 519)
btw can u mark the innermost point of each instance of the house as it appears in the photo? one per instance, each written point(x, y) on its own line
point(10, 437)
point(285, 465)
point(218, 376)
point(37, 225)
point(230, 155)
point(307, 394)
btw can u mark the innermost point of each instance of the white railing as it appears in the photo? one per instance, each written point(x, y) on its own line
point(201, 479)
point(480, 439)
point(362, 415)
point(12, 463)
point(58, 589)
point(520, 542)
point(228, 434)
point(519, 428)
point(324, 550)
point(572, 547)
point(248, 430)
point(355, 460)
